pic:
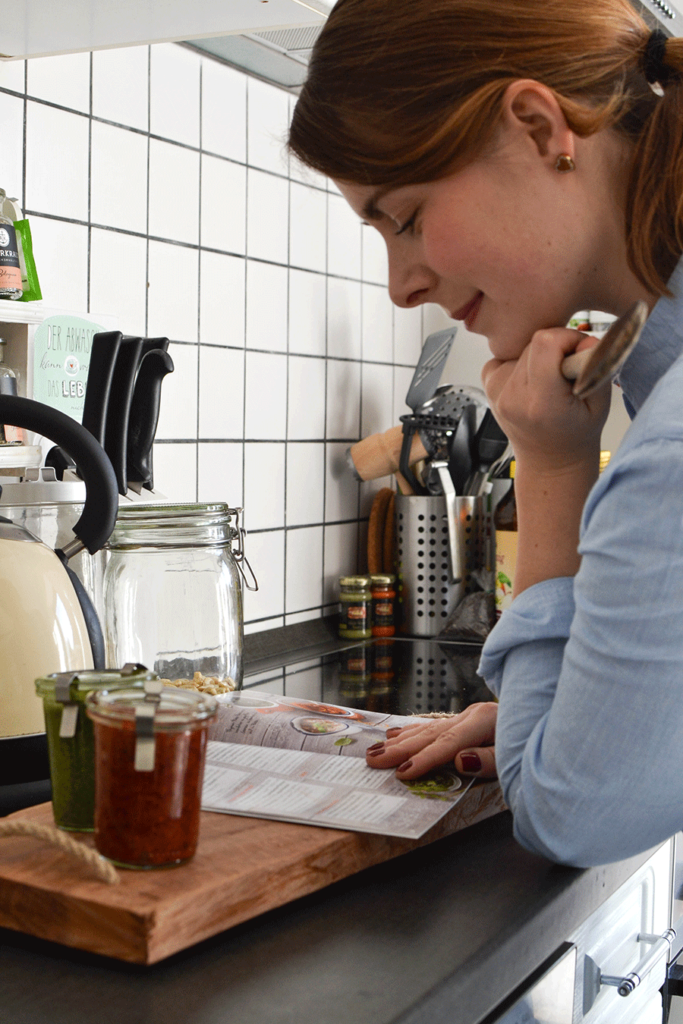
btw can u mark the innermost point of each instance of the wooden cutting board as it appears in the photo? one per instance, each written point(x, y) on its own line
point(243, 867)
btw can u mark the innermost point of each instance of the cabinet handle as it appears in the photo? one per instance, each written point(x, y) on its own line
point(660, 945)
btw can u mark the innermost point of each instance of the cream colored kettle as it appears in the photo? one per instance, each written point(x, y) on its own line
point(47, 622)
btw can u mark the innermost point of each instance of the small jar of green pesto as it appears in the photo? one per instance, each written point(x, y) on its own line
point(355, 603)
point(70, 738)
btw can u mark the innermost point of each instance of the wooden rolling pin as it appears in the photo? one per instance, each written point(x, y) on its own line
point(378, 455)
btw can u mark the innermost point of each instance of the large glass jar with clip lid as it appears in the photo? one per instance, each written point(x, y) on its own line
point(172, 596)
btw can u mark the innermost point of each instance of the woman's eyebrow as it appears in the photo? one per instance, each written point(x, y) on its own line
point(370, 210)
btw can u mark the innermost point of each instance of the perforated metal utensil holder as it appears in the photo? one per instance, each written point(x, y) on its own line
point(427, 591)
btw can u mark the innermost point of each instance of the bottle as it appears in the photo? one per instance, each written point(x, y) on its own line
point(383, 597)
point(10, 267)
point(355, 600)
point(505, 524)
point(8, 386)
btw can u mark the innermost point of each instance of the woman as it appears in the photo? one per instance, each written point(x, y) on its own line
point(523, 160)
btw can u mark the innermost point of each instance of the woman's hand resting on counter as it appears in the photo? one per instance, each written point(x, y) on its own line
point(465, 739)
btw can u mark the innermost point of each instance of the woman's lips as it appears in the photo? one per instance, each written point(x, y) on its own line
point(468, 313)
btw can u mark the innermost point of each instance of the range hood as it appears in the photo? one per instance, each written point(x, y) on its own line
point(279, 56)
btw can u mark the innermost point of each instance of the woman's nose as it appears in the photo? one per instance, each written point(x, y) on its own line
point(410, 282)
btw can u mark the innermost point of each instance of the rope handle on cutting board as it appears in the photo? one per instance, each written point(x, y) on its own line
point(102, 868)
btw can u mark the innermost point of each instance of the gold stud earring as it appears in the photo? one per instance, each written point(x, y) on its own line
point(564, 163)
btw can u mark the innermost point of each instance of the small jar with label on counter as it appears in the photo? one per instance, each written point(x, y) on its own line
point(150, 746)
point(355, 600)
point(383, 597)
point(70, 738)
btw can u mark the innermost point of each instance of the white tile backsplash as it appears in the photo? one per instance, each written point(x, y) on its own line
point(224, 205)
point(304, 580)
point(378, 390)
point(173, 192)
point(118, 274)
point(306, 398)
point(377, 324)
point(307, 227)
point(220, 470)
point(341, 489)
point(174, 93)
point(265, 398)
point(112, 200)
point(344, 239)
point(178, 412)
point(374, 256)
point(170, 206)
point(267, 216)
point(224, 110)
point(343, 318)
point(266, 554)
point(267, 123)
point(175, 471)
point(221, 392)
point(57, 146)
point(221, 301)
point(63, 278)
point(173, 291)
point(12, 74)
point(305, 483)
point(343, 399)
point(64, 80)
point(266, 306)
point(12, 135)
point(307, 313)
point(120, 86)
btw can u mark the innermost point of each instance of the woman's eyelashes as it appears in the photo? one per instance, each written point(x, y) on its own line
point(409, 224)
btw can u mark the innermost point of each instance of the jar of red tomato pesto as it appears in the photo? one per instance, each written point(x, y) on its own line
point(149, 767)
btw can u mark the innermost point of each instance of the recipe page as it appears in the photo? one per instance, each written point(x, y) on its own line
point(302, 761)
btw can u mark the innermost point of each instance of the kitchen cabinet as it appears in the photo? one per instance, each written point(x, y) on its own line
point(35, 28)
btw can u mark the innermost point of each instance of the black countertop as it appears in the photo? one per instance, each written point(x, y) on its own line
point(445, 933)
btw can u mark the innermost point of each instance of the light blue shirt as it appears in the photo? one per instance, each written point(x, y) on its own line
point(589, 669)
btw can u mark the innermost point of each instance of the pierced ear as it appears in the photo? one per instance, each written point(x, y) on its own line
point(532, 106)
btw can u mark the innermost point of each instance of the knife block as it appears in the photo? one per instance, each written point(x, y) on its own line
point(427, 594)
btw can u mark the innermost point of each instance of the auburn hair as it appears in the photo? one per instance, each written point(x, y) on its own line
point(408, 91)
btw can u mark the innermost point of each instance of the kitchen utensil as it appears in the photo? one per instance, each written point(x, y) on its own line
point(460, 449)
point(103, 352)
point(430, 367)
point(144, 416)
point(489, 443)
point(118, 411)
point(378, 455)
point(595, 366)
point(48, 622)
point(438, 551)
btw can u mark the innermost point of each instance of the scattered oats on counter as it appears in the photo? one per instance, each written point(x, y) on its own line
point(205, 684)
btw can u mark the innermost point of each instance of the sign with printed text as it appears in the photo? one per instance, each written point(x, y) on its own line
point(61, 360)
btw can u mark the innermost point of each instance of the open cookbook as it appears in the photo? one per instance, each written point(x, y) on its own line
point(302, 761)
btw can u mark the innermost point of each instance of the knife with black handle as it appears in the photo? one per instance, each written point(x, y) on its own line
point(118, 412)
point(144, 416)
point(103, 354)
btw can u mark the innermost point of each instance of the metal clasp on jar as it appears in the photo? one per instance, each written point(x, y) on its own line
point(239, 554)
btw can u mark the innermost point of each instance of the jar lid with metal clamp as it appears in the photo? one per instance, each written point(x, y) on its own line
point(150, 744)
point(70, 738)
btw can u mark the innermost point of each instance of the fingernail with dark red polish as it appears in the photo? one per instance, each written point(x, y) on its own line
point(405, 766)
point(376, 748)
point(470, 762)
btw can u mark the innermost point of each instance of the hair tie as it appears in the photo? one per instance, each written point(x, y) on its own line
point(653, 65)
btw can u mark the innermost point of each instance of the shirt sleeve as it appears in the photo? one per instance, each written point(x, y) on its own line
point(589, 673)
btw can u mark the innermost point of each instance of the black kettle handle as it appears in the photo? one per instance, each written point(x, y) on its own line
point(101, 492)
